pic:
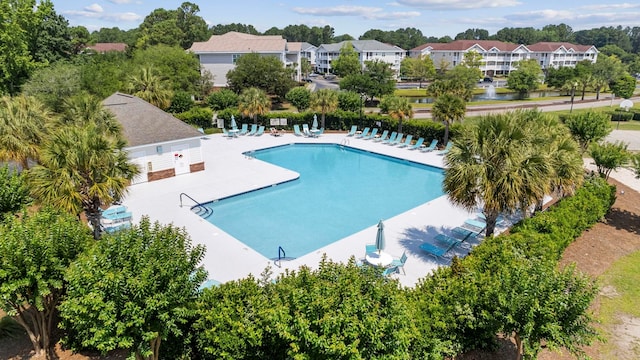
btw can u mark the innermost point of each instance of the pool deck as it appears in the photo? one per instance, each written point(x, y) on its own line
point(229, 172)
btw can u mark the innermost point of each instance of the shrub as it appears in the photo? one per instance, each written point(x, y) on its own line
point(349, 101)
point(622, 115)
point(299, 97)
point(197, 116)
point(222, 99)
point(181, 102)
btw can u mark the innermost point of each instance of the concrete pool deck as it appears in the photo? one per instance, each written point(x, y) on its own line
point(228, 172)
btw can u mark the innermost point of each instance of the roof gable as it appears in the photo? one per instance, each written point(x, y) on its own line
point(144, 124)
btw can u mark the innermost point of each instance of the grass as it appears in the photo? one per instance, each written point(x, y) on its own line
point(624, 276)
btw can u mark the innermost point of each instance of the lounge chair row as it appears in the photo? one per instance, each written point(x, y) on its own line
point(396, 139)
point(255, 131)
point(306, 132)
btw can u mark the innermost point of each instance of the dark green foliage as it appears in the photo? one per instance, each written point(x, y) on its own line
point(263, 72)
point(222, 99)
point(299, 97)
point(133, 289)
point(197, 116)
point(13, 191)
point(9, 328)
point(349, 101)
point(588, 127)
point(181, 102)
point(550, 232)
point(623, 86)
point(622, 115)
point(181, 69)
point(337, 311)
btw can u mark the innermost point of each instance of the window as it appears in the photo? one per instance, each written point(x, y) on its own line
point(234, 57)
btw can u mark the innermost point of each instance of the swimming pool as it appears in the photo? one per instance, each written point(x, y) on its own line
point(340, 191)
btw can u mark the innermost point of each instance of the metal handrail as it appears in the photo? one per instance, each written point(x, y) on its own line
point(207, 211)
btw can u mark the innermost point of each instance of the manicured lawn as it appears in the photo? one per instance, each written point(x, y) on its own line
point(623, 280)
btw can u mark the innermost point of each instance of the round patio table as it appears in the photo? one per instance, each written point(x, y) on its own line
point(381, 259)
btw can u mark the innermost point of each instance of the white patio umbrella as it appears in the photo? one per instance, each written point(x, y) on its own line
point(315, 122)
point(233, 122)
point(380, 242)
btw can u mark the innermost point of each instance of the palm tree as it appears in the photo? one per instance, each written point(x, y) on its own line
point(495, 163)
point(23, 123)
point(253, 102)
point(81, 169)
point(83, 109)
point(324, 101)
point(448, 108)
point(399, 109)
point(150, 87)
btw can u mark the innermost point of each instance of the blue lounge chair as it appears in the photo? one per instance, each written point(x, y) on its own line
point(446, 149)
point(417, 144)
point(353, 130)
point(397, 140)
point(371, 135)
point(296, 130)
point(406, 142)
point(431, 146)
point(244, 129)
point(364, 133)
point(390, 270)
point(463, 234)
point(391, 138)
point(253, 130)
point(475, 224)
point(305, 130)
point(260, 131)
point(227, 133)
point(369, 248)
point(399, 263)
point(442, 245)
point(317, 133)
point(382, 137)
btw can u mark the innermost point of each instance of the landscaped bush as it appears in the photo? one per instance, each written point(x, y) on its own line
point(622, 115)
point(197, 116)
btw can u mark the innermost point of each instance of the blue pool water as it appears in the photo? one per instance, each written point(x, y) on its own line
point(340, 191)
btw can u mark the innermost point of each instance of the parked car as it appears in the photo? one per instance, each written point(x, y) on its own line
point(487, 79)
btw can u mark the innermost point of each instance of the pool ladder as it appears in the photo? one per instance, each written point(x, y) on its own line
point(281, 255)
point(198, 208)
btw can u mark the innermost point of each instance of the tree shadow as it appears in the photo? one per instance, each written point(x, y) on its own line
point(623, 220)
point(411, 239)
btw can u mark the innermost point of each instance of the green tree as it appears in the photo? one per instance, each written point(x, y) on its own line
point(51, 36)
point(36, 252)
point(497, 164)
point(348, 62)
point(299, 97)
point(104, 74)
point(538, 303)
point(133, 289)
point(181, 102)
point(357, 83)
point(558, 77)
point(13, 191)
point(253, 102)
point(23, 121)
point(82, 168)
point(324, 101)
point(623, 86)
point(80, 39)
point(193, 26)
point(305, 67)
point(525, 78)
point(635, 165)
point(349, 101)
point(381, 78)
point(16, 62)
point(222, 99)
point(588, 127)
point(417, 69)
point(180, 69)
point(609, 157)
point(448, 108)
point(53, 83)
point(150, 87)
point(263, 72)
point(398, 109)
point(584, 76)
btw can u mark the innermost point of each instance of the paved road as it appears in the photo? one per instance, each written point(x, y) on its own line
point(543, 105)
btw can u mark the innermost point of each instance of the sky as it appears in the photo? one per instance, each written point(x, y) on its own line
point(354, 17)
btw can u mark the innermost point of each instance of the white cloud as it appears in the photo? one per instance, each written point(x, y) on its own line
point(458, 4)
point(114, 17)
point(337, 11)
point(121, 1)
point(393, 15)
point(610, 6)
point(94, 8)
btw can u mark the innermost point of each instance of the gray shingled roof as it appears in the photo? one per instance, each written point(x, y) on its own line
point(361, 45)
point(144, 123)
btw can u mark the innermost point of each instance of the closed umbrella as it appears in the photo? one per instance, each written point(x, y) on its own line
point(315, 122)
point(233, 123)
point(380, 243)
